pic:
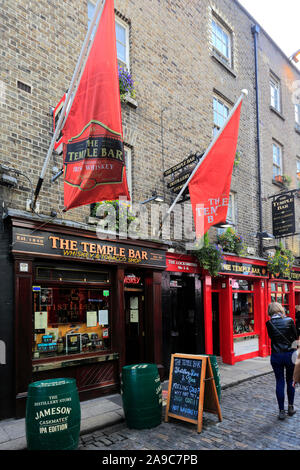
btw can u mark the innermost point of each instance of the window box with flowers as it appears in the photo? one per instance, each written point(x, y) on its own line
point(127, 90)
point(284, 180)
point(281, 263)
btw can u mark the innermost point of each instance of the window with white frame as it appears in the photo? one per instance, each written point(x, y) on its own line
point(222, 41)
point(298, 168)
point(122, 36)
point(231, 218)
point(297, 114)
point(277, 160)
point(221, 112)
point(128, 165)
point(275, 93)
point(231, 209)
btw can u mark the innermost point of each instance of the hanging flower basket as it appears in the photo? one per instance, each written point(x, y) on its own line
point(210, 257)
point(281, 263)
point(231, 242)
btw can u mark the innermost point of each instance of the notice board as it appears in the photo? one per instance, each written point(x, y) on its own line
point(192, 389)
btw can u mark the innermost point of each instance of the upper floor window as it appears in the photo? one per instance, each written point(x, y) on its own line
point(275, 93)
point(122, 36)
point(222, 41)
point(277, 160)
point(221, 112)
point(128, 165)
point(298, 168)
point(297, 114)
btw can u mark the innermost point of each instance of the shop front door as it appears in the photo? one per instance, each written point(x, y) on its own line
point(216, 323)
point(135, 328)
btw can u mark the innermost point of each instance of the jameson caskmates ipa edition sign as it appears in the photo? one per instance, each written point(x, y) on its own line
point(94, 162)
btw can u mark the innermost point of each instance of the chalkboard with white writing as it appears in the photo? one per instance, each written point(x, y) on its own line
point(192, 389)
point(185, 391)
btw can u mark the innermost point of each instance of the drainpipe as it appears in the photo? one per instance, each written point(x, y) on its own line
point(255, 31)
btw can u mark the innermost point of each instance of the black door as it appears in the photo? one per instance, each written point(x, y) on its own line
point(215, 323)
point(135, 328)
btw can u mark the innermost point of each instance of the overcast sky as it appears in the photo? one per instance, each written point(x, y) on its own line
point(280, 19)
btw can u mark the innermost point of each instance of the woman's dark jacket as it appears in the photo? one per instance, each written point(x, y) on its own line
point(282, 332)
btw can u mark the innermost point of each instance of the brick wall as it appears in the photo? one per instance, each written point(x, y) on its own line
point(176, 75)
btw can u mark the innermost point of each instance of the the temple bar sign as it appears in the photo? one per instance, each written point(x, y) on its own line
point(283, 215)
point(53, 244)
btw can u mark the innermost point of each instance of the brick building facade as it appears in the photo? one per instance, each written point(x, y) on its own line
point(189, 62)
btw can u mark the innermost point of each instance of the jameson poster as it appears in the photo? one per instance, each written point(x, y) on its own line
point(94, 165)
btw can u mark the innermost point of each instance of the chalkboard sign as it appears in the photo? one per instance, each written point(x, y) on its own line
point(192, 389)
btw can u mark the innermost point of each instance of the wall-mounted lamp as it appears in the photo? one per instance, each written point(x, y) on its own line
point(226, 224)
point(273, 247)
point(295, 57)
point(155, 197)
point(264, 235)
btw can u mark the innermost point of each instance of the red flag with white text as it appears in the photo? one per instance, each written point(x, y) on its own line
point(209, 188)
point(94, 161)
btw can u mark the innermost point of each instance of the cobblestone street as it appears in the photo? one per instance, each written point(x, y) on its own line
point(250, 422)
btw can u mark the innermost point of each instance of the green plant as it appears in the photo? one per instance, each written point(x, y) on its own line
point(114, 217)
point(231, 242)
point(126, 84)
point(210, 256)
point(281, 263)
point(286, 180)
point(237, 159)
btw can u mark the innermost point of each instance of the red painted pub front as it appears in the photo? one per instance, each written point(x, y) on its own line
point(235, 304)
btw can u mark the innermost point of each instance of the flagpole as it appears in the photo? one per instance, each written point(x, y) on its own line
point(244, 93)
point(87, 44)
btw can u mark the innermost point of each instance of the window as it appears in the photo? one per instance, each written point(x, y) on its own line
point(280, 293)
point(122, 36)
point(221, 112)
point(243, 305)
point(298, 168)
point(231, 209)
point(275, 93)
point(277, 161)
point(128, 164)
point(297, 114)
point(70, 320)
point(221, 40)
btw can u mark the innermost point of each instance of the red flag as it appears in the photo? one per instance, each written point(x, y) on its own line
point(94, 162)
point(210, 186)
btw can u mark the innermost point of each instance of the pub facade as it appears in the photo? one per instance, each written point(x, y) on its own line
point(83, 307)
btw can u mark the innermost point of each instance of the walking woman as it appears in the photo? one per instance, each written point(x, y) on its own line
point(283, 334)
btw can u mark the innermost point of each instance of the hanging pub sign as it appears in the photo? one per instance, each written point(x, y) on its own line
point(283, 215)
point(183, 171)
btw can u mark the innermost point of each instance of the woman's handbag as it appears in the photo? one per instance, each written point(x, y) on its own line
point(296, 376)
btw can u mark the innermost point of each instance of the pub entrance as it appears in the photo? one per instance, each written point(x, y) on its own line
point(216, 323)
point(183, 316)
point(134, 319)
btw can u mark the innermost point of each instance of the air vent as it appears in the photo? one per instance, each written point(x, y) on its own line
point(24, 87)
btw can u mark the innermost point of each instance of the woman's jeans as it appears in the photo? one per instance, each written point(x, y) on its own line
point(280, 362)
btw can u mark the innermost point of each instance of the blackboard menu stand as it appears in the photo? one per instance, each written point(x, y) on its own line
point(192, 389)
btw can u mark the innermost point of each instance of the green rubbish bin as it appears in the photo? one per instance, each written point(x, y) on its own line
point(216, 373)
point(52, 415)
point(141, 395)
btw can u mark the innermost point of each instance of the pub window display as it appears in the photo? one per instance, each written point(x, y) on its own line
point(70, 321)
point(280, 293)
point(242, 305)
